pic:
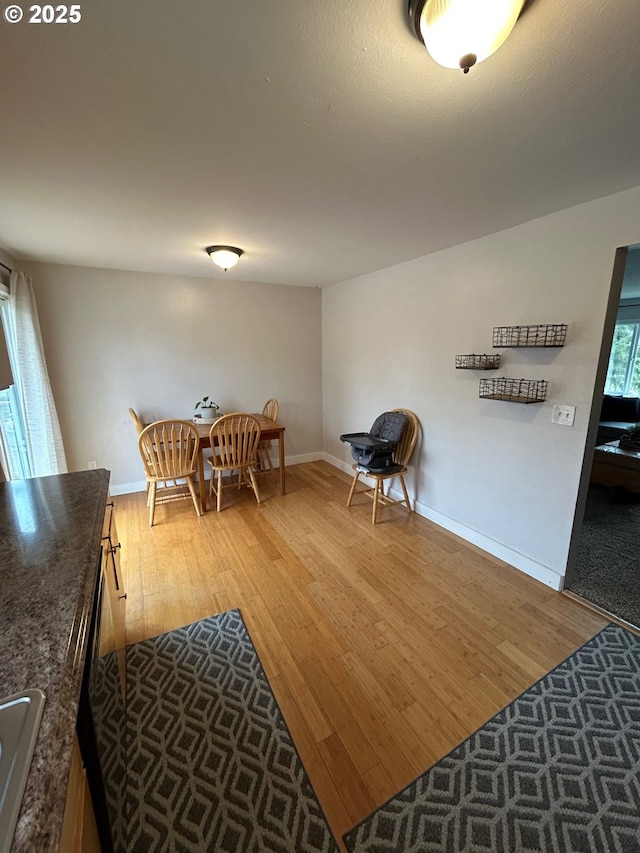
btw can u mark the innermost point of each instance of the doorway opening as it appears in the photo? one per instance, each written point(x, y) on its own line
point(604, 559)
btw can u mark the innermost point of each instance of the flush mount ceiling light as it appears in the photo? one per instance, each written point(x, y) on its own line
point(461, 33)
point(224, 256)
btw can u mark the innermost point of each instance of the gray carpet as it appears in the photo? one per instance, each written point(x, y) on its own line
point(607, 571)
point(557, 770)
point(211, 763)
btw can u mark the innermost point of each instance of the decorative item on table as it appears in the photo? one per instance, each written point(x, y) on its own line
point(630, 440)
point(208, 413)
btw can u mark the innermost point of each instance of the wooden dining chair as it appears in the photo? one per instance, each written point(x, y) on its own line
point(234, 439)
point(401, 456)
point(269, 410)
point(169, 451)
point(139, 425)
point(135, 417)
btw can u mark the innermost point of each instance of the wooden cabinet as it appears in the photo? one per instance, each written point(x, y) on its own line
point(50, 561)
point(79, 830)
point(98, 768)
point(112, 629)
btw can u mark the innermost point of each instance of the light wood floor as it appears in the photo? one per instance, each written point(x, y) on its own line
point(385, 646)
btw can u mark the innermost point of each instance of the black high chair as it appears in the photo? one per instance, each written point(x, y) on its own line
point(382, 454)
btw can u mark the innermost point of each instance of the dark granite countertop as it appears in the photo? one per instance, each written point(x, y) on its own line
point(50, 531)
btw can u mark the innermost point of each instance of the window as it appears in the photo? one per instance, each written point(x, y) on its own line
point(29, 429)
point(623, 375)
point(12, 436)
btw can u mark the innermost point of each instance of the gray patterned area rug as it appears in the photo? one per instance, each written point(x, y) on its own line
point(211, 763)
point(608, 557)
point(557, 770)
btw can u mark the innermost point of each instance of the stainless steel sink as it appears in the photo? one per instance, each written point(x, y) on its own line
point(20, 717)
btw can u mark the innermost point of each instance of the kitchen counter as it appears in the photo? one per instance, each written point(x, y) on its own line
point(50, 531)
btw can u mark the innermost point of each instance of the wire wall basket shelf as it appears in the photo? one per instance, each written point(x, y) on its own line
point(477, 362)
point(547, 335)
point(514, 390)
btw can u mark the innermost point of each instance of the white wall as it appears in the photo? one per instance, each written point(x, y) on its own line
point(500, 474)
point(160, 343)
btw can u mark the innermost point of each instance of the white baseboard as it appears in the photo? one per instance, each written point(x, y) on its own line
point(338, 463)
point(128, 488)
point(140, 486)
point(299, 459)
point(519, 561)
point(302, 457)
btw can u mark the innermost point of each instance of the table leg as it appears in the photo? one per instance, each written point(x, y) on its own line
point(281, 461)
point(202, 482)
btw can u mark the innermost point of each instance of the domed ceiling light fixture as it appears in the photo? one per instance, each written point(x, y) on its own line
point(224, 256)
point(461, 33)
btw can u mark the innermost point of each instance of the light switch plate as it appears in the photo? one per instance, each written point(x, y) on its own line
point(564, 415)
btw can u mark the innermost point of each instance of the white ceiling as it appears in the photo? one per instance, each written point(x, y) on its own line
point(317, 135)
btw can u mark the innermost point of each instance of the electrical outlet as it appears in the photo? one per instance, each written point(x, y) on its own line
point(92, 464)
point(564, 415)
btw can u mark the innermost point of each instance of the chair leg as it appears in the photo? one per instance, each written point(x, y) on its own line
point(353, 487)
point(406, 495)
point(196, 501)
point(374, 511)
point(152, 503)
point(254, 483)
point(219, 501)
point(264, 460)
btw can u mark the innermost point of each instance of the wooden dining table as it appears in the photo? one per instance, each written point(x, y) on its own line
point(269, 430)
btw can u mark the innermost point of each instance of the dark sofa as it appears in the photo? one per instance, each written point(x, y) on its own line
point(616, 416)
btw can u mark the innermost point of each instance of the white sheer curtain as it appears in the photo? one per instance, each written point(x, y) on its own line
point(44, 446)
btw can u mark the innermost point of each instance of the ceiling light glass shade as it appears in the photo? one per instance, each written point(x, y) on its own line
point(460, 33)
point(224, 256)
